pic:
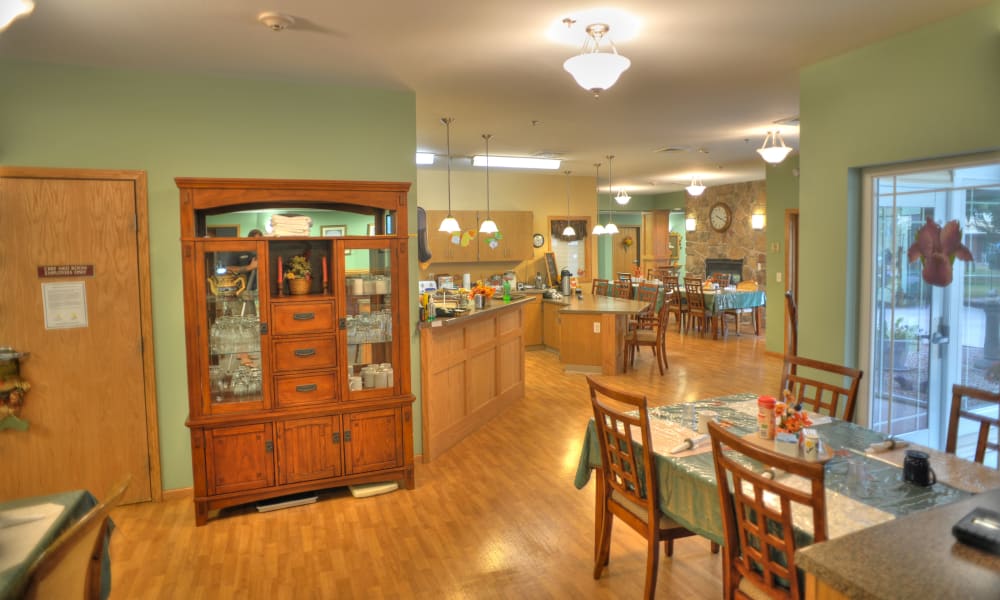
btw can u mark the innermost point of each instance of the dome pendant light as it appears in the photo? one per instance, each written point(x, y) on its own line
point(592, 69)
point(696, 188)
point(622, 198)
point(489, 225)
point(774, 153)
point(610, 228)
point(569, 231)
point(450, 224)
point(598, 228)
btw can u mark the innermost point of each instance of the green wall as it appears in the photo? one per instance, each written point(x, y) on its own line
point(172, 125)
point(782, 195)
point(933, 92)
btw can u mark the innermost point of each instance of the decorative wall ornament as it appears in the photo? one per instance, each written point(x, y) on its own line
point(12, 389)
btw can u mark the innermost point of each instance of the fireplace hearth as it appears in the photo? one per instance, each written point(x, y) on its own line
point(730, 266)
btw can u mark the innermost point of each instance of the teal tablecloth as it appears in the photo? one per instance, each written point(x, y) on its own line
point(722, 300)
point(686, 485)
point(77, 504)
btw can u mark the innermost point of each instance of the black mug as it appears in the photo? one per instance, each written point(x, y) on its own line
point(917, 468)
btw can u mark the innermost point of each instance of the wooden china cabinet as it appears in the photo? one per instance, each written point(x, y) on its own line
point(291, 393)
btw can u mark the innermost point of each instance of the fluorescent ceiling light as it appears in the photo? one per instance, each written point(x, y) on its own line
point(425, 158)
point(516, 162)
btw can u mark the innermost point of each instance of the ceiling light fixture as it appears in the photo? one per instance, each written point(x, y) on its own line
point(276, 21)
point(622, 198)
point(774, 153)
point(598, 228)
point(489, 225)
point(450, 223)
point(610, 228)
point(569, 231)
point(11, 10)
point(594, 70)
point(516, 162)
point(696, 188)
point(425, 158)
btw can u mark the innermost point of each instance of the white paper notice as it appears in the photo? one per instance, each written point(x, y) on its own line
point(65, 304)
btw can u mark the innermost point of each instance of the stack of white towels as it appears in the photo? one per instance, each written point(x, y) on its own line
point(283, 225)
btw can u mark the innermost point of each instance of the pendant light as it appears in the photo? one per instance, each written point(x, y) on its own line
point(449, 224)
point(569, 231)
point(774, 153)
point(598, 228)
point(610, 228)
point(696, 188)
point(489, 225)
point(592, 69)
point(622, 197)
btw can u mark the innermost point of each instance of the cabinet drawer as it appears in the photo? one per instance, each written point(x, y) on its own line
point(302, 353)
point(313, 317)
point(300, 390)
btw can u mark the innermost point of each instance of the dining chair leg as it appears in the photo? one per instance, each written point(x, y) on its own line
point(604, 545)
point(652, 562)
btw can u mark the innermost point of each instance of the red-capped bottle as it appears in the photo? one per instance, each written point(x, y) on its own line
point(765, 417)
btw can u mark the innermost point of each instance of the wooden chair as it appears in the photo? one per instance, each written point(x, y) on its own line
point(662, 273)
point(647, 292)
point(814, 388)
point(626, 482)
point(738, 313)
point(722, 279)
point(622, 289)
point(759, 558)
point(71, 566)
point(678, 306)
point(627, 277)
point(693, 288)
point(654, 338)
point(599, 287)
point(960, 393)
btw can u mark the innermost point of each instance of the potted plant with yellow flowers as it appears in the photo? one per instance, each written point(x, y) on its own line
point(298, 272)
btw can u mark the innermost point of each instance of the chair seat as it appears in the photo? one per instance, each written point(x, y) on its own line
point(645, 335)
point(665, 523)
point(750, 588)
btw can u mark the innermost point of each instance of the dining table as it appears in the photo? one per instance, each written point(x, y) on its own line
point(686, 480)
point(717, 302)
point(29, 525)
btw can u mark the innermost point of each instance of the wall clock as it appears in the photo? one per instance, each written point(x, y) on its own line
point(721, 217)
point(538, 240)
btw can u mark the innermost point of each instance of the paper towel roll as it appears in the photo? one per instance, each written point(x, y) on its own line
point(467, 281)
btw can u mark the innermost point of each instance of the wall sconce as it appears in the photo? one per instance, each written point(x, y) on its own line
point(757, 221)
point(690, 224)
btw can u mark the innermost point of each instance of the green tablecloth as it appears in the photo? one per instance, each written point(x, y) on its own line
point(77, 504)
point(722, 300)
point(686, 485)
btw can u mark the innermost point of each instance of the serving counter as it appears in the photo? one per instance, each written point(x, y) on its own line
point(472, 368)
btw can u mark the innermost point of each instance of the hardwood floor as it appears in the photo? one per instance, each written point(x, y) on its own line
point(497, 516)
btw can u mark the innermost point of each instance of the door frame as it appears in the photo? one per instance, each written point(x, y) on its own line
point(138, 180)
point(791, 266)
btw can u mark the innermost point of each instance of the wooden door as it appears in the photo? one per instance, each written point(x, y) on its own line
point(309, 449)
point(622, 258)
point(92, 407)
point(791, 263)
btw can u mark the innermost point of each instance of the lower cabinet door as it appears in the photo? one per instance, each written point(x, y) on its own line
point(309, 449)
point(238, 459)
point(373, 440)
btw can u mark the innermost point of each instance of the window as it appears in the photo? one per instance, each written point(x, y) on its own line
point(573, 255)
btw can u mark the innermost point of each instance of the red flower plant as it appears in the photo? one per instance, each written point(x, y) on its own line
point(938, 247)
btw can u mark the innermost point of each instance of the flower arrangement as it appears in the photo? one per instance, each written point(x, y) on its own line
point(627, 242)
point(791, 418)
point(937, 248)
point(481, 290)
point(298, 267)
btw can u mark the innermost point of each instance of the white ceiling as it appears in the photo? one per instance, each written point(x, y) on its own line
point(709, 75)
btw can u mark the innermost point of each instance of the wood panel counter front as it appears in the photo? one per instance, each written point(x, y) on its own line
point(592, 332)
point(472, 368)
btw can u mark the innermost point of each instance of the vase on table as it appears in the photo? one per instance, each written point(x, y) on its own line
point(298, 286)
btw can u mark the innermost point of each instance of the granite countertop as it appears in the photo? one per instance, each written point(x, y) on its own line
point(914, 556)
point(492, 305)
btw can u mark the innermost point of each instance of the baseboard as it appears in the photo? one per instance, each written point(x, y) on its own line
point(178, 494)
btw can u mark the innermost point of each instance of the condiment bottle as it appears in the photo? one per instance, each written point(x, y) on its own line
point(765, 417)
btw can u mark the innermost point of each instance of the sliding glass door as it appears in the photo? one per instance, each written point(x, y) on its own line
point(923, 338)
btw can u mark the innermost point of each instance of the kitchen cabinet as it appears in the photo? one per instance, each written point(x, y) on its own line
point(551, 324)
point(533, 321)
point(441, 246)
point(294, 392)
point(516, 229)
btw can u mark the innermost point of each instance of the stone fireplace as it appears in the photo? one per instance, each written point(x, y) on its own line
point(730, 266)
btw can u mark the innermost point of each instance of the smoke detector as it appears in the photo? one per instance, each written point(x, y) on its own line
point(276, 21)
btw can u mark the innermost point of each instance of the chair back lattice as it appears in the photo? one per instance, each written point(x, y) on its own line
point(628, 469)
point(695, 291)
point(599, 287)
point(757, 513)
point(809, 382)
point(968, 403)
point(622, 289)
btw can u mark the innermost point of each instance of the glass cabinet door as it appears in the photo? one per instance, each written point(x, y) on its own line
point(232, 313)
point(370, 314)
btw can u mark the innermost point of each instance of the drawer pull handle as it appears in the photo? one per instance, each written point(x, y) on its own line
point(311, 387)
point(303, 352)
point(304, 316)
